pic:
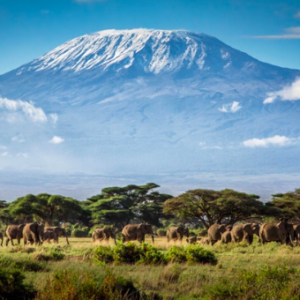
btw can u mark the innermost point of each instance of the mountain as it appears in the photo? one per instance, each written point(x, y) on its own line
point(148, 102)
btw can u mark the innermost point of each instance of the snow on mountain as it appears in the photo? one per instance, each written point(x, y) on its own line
point(148, 102)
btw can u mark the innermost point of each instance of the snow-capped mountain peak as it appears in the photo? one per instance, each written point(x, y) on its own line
point(153, 51)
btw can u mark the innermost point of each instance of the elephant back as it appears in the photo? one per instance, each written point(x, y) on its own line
point(130, 230)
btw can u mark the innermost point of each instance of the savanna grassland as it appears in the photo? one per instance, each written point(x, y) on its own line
point(77, 271)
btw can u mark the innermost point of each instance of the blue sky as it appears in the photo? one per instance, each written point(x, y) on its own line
point(267, 29)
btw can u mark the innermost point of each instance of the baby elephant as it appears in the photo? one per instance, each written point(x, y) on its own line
point(192, 240)
point(226, 237)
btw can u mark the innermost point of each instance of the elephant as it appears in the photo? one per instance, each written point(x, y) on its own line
point(133, 232)
point(297, 232)
point(215, 232)
point(277, 232)
point(226, 237)
point(104, 234)
point(244, 232)
point(1, 238)
point(14, 232)
point(177, 233)
point(192, 240)
point(59, 232)
point(33, 233)
point(50, 235)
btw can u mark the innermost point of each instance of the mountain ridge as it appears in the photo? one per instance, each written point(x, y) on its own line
point(157, 101)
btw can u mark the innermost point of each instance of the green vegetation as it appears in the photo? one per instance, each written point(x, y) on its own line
point(84, 270)
point(120, 205)
point(244, 272)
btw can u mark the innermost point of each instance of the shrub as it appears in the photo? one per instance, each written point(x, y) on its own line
point(191, 254)
point(22, 264)
point(130, 253)
point(73, 284)
point(263, 283)
point(197, 254)
point(104, 254)
point(54, 254)
point(176, 254)
point(151, 255)
point(12, 285)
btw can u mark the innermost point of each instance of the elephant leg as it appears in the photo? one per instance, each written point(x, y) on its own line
point(7, 241)
point(212, 242)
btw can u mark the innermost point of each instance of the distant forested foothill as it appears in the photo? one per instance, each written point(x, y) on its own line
point(118, 206)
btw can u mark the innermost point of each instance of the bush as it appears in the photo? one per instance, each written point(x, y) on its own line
point(265, 283)
point(80, 285)
point(22, 264)
point(191, 254)
point(12, 285)
point(151, 255)
point(197, 254)
point(130, 253)
point(176, 254)
point(54, 254)
point(104, 254)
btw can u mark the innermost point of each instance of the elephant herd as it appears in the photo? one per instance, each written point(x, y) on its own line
point(283, 232)
point(33, 233)
point(131, 232)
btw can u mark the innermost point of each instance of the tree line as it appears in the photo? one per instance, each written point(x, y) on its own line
point(119, 206)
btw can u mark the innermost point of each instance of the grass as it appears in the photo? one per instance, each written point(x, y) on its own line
point(270, 271)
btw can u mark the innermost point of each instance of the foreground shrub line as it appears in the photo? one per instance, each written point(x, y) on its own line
point(132, 253)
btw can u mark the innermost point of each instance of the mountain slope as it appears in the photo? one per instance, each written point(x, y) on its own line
point(150, 102)
point(133, 59)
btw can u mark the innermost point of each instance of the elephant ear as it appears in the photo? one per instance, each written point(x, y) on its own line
point(142, 227)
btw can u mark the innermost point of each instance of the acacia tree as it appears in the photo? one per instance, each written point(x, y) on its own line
point(49, 209)
point(211, 207)
point(120, 205)
point(5, 217)
point(288, 204)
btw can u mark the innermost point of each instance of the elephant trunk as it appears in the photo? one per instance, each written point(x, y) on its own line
point(67, 239)
point(152, 236)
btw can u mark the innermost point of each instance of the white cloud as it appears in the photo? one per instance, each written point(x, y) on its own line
point(56, 140)
point(276, 140)
point(297, 15)
point(288, 93)
point(290, 33)
point(4, 154)
point(36, 114)
point(230, 107)
point(18, 138)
